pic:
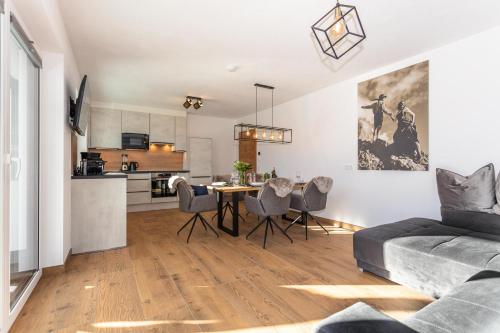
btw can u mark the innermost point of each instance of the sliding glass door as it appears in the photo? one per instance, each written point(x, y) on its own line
point(24, 144)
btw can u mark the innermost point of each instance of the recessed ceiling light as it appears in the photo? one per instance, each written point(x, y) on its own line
point(232, 68)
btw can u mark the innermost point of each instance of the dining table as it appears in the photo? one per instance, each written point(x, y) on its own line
point(235, 191)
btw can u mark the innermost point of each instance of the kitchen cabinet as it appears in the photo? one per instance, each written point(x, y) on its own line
point(139, 189)
point(162, 128)
point(105, 129)
point(180, 134)
point(200, 159)
point(135, 122)
point(201, 181)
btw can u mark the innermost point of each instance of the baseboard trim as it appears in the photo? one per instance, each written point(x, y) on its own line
point(54, 270)
point(338, 224)
point(152, 206)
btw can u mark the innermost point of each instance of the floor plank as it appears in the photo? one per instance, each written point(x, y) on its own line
point(159, 283)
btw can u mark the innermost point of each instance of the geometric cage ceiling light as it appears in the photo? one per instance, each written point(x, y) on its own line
point(196, 102)
point(339, 30)
point(263, 133)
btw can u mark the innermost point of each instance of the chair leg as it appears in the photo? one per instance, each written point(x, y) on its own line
point(305, 223)
point(294, 221)
point(231, 210)
point(280, 229)
point(317, 222)
point(242, 218)
point(192, 227)
point(214, 216)
point(265, 234)
point(206, 224)
point(272, 230)
point(257, 227)
point(226, 207)
point(185, 225)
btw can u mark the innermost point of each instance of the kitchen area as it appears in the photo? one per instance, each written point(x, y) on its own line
point(124, 166)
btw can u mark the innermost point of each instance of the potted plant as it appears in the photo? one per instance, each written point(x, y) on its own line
point(242, 168)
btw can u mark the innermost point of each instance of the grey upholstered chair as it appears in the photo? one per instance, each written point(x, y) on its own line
point(267, 204)
point(312, 199)
point(190, 203)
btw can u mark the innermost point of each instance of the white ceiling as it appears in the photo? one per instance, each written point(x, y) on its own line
point(154, 52)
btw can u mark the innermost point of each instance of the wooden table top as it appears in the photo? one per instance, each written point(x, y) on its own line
point(231, 189)
point(245, 188)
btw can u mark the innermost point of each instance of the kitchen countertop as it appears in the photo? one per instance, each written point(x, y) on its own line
point(154, 171)
point(99, 176)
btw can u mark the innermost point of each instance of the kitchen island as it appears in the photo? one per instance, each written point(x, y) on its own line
point(98, 212)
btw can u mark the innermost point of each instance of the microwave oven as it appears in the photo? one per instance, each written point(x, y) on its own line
point(135, 141)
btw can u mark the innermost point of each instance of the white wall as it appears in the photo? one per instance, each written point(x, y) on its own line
point(220, 130)
point(51, 160)
point(42, 21)
point(464, 123)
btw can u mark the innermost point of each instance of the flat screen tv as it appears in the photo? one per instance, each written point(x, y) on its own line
point(79, 110)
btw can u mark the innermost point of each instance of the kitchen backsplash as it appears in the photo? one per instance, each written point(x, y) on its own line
point(156, 158)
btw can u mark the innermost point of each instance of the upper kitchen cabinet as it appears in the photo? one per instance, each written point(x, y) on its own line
point(162, 128)
point(180, 133)
point(105, 129)
point(135, 122)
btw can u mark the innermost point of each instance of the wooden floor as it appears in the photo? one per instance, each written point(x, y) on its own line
point(161, 284)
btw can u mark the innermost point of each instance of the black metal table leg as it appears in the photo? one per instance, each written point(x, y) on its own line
point(236, 214)
point(220, 202)
point(220, 220)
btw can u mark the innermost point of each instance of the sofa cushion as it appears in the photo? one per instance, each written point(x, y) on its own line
point(476, 221)
point(426, 255)
point(361, 318)
point(470, 193)
point(471, 307)
point(496, 208)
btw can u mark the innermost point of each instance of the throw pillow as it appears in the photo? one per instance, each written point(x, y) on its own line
point(199, 190)
point(472, 193)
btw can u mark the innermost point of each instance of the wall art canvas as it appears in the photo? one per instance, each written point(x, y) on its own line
point(393, 120)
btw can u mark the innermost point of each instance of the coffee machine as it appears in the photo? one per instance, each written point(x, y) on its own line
point(124, 162)
point(91, 164)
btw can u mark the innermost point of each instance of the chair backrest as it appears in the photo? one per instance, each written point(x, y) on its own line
point(186, 195)
point(273, 204)
point(222, 178)
point(314, 199)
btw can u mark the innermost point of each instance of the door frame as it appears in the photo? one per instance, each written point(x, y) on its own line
point(8, 316)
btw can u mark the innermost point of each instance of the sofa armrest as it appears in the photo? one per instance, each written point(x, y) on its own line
point(361, 318)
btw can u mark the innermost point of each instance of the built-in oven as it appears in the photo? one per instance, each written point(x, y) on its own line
point(159, 186)
point(135, 141)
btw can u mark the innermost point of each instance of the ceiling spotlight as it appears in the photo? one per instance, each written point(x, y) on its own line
point(187, 104)
point(198, 104)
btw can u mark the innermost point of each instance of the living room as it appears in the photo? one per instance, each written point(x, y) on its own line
point(187, 166)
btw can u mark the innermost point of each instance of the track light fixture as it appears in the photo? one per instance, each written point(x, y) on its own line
point(198, 104)
point(189, 101)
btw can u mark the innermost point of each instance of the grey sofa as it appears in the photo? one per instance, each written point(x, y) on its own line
point(429, 255)
point(473, 307)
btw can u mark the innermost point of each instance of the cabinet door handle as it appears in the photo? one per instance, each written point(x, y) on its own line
point(19, 164)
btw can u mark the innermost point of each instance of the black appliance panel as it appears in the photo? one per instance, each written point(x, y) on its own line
point(135, 141)
point(159, 186)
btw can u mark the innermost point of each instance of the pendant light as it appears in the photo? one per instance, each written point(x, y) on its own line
point(262, 133)
point(339, 30)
